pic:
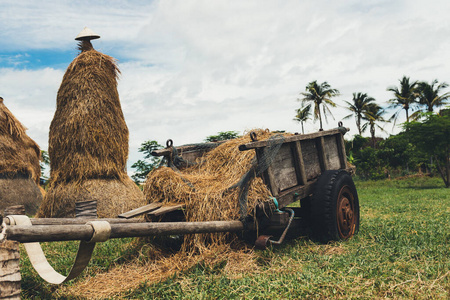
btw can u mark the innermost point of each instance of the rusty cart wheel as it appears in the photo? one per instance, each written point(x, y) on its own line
point(335, 207)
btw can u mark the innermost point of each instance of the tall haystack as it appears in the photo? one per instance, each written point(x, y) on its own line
point(19, 164)
point(88, 141)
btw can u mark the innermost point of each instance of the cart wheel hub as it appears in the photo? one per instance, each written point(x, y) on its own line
point(345, 214)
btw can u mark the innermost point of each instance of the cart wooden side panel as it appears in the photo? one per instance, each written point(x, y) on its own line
point(300, 160)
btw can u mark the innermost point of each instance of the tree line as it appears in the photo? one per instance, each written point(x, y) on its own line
point(423, 143)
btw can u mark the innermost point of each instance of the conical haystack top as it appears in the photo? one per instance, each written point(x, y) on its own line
point(87, 34)
point(19, 154)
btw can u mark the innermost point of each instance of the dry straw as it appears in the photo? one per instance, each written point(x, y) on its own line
point(88, 135)
point(209, 197)
point(19, 164)
point(19, 153)
point(88, 141)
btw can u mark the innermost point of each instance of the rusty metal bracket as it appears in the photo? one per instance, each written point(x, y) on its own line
point(286, 229)
point(264, 240)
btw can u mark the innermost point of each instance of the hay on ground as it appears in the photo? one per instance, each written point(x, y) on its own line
point(88, 141)
point(19, 164)
point(160, 267)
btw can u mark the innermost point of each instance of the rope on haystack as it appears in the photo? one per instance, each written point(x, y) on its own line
point(88, 141)
point(19, 164)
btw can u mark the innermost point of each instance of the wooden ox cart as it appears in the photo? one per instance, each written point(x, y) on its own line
point(309, 169)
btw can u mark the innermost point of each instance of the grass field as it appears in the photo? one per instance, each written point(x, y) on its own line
point(401, 251)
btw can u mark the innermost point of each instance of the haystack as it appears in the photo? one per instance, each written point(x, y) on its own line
point(208, 189)
point(19, 164)
point(88, 141)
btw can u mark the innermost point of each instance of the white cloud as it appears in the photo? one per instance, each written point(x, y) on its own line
point(193, 68)
point(31, 96)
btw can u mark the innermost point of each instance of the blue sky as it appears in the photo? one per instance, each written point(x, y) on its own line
point(193, 68)
point(37, 59)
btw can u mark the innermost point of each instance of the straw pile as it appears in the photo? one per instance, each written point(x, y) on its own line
point(19, 164)
point(88, 142)
point(205, 189)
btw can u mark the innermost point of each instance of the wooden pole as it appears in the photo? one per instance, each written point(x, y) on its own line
point(51, 233)
point(75, 221)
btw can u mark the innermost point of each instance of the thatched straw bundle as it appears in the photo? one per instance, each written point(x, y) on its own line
point(88, 135)
point(89, 141)
point(208, 197)
point(19, 164)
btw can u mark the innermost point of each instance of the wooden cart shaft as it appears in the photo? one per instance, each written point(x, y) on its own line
point(84, 232)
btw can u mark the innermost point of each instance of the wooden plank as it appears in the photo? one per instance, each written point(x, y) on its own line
point(341, 148)
point(206, 147)
point(86, 209)
point(296, 193)
point(294, 138)
point(300, 165)
point(283, 168)
point(320, 143)
point(273, 183)
point(299, 192)
point(9, 270)
point(192, 156)
point(165, 209)
point(267, 175)
point(310, 159)
point(14, 210)
point(140, 211)
point(332, 153)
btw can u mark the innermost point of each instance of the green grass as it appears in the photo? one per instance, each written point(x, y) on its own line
point(401, 251)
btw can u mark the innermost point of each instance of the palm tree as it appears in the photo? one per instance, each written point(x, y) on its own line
point(429, 94)
point(372, 115)
point(405, 97)
point(303, 115)
point(359, 106)
point(320, 95)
